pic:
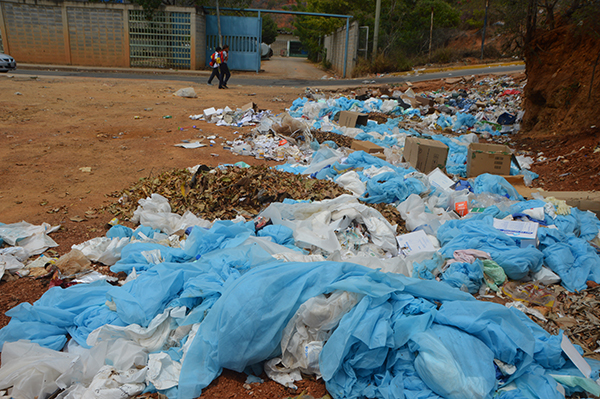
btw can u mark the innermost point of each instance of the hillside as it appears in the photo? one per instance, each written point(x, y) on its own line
point(284, 21)
point(560, 98)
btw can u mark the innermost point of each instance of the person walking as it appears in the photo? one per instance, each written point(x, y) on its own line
point(225, 74)
point(215, 61)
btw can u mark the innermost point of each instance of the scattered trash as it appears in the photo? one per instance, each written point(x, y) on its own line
point(365, 290)
point(191, 145)
point(187, 92)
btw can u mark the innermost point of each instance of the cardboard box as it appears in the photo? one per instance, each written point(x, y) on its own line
point(352, 119)
point(488, 158)
point(425, 155)
point(361, 94)
point(415, 242)
point(366, 146)
point(250, 105)
point(410, 100)
point(425, 101)
point(518, 183)
point(524, 232)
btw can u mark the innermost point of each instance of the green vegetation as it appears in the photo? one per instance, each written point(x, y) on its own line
point(269, 29)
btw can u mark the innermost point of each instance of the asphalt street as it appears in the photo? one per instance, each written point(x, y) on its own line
point(252, 79)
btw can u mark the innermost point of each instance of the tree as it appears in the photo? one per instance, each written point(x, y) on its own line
point(152, 5)
point(269, 29)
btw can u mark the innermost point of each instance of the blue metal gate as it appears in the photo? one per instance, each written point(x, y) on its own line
point(242, 34)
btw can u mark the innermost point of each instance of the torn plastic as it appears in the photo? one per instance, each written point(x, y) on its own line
point(315, 224)
point(155, 212)
point(309, 328)
point(34, 239)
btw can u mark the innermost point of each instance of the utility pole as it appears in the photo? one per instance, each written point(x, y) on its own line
point(484, 25)
point(430, 34)
point(219, 25)
point(376, 32)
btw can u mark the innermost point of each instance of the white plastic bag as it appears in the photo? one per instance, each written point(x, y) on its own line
point(187, 92)
point(103, 249)
point(351, 182)
point(31, 369)
point(155, 212)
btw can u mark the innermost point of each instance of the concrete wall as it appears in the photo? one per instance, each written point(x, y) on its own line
point(335, 46)
point(78, 33)
point(198, 42)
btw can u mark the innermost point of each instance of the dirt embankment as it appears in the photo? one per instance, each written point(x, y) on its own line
point(563, 83)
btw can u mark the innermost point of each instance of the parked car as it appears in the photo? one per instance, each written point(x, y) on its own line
point(7, 63)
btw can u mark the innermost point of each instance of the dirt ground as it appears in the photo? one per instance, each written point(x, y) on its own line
point(67, 143)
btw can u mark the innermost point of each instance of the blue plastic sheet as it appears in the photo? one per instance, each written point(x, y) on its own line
point(464, 121)
point(464, 275)
point(245, 325)
point(478, 233)
point(119, 231)
point(46, 321)
point(494, 184)
point(456, 162)
point(572, 258)
point(454, 364)
point(390, 187)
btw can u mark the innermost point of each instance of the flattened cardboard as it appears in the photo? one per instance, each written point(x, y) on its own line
point(440, 180)
point(425, 155)
point(415, 242)
point(583, 200)
point(518, 183)
point(352, 119)
point(366, 146)
point(488, 158)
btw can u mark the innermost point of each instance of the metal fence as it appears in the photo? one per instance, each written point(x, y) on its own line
point(164, 41)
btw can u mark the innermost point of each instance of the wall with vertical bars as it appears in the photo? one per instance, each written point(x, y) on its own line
point(102, 34)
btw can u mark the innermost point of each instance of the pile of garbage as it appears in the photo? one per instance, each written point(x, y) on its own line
point(318, 287)
point(488, 107)
point(257, 270)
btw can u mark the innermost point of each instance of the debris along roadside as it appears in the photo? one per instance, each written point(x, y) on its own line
point(221, 282)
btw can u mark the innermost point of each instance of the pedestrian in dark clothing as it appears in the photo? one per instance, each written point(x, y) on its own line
point(215, 61)
point(225, 74)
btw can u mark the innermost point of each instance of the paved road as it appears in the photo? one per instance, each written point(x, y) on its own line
point(272, 76)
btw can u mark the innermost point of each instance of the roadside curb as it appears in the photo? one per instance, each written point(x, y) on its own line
point(77, 68)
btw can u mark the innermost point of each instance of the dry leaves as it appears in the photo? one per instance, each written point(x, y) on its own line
point(578, 314)
point(224, 193)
